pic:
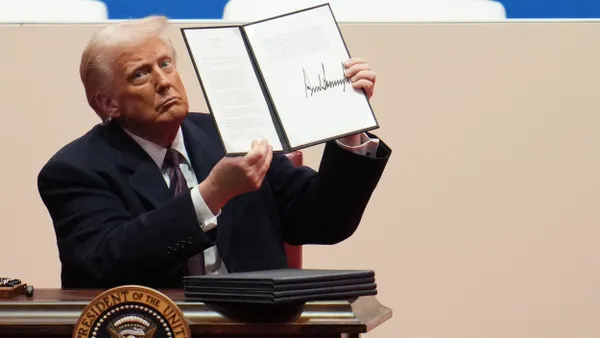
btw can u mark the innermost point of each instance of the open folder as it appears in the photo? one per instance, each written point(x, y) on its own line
point(280, 79)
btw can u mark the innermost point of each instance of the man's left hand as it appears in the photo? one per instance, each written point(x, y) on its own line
point(362, 77)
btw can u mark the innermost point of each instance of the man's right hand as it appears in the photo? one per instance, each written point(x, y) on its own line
point(233, 176)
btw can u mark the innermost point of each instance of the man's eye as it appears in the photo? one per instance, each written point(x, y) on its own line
point(166, 63)
point(138, 74)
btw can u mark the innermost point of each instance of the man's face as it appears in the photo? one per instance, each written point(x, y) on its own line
point(148, 91)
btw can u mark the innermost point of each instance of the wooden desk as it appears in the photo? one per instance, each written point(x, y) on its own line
point(53, 313)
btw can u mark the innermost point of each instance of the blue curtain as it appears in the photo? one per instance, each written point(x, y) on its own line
point(213, 9)
point(174, 9)
point(552, 9)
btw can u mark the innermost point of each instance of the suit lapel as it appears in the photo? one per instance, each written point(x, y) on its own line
point(144, 176)
point(204, 154)
point(148, 181)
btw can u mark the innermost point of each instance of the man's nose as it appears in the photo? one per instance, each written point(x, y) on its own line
point(163, 82)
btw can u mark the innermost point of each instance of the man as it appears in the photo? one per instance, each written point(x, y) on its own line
point(148, 197)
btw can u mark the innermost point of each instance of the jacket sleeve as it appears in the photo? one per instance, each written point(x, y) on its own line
point(97, 234)
point(326, 207)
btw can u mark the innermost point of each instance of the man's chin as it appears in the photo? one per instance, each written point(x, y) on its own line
point(174, 113)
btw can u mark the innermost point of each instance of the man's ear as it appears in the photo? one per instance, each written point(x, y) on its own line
point(109, 106)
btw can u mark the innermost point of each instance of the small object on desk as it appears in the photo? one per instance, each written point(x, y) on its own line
point(8, 282)
point(13, 282)
point(29, 291)
point(11, 287)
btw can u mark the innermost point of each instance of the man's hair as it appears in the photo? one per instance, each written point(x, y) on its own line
point(97, 59)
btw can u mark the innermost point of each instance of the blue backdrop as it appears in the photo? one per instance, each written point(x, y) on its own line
point(213, 9)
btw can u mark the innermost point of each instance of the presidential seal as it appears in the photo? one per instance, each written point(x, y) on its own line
point(131, 312)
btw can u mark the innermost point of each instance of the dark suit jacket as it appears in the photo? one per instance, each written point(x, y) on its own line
point(116, 222)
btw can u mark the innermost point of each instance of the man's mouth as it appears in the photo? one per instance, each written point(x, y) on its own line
point(168, 102)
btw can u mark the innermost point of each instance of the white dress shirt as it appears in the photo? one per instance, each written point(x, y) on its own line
point(213, 262)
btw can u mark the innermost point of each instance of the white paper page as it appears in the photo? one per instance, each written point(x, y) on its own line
point(300, 56)
point(234, 94)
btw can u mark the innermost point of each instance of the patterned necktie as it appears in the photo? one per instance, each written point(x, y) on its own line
point(178, 186)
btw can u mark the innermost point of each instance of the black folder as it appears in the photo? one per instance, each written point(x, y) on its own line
point(249, 288)
point(283, 286)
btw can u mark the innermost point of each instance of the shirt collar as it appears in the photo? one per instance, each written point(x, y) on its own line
point(157, 152)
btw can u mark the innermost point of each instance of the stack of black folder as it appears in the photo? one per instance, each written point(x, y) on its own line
point(285, 286)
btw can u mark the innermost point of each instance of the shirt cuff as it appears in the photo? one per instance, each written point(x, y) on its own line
point(366, 146)
point(206, 218)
